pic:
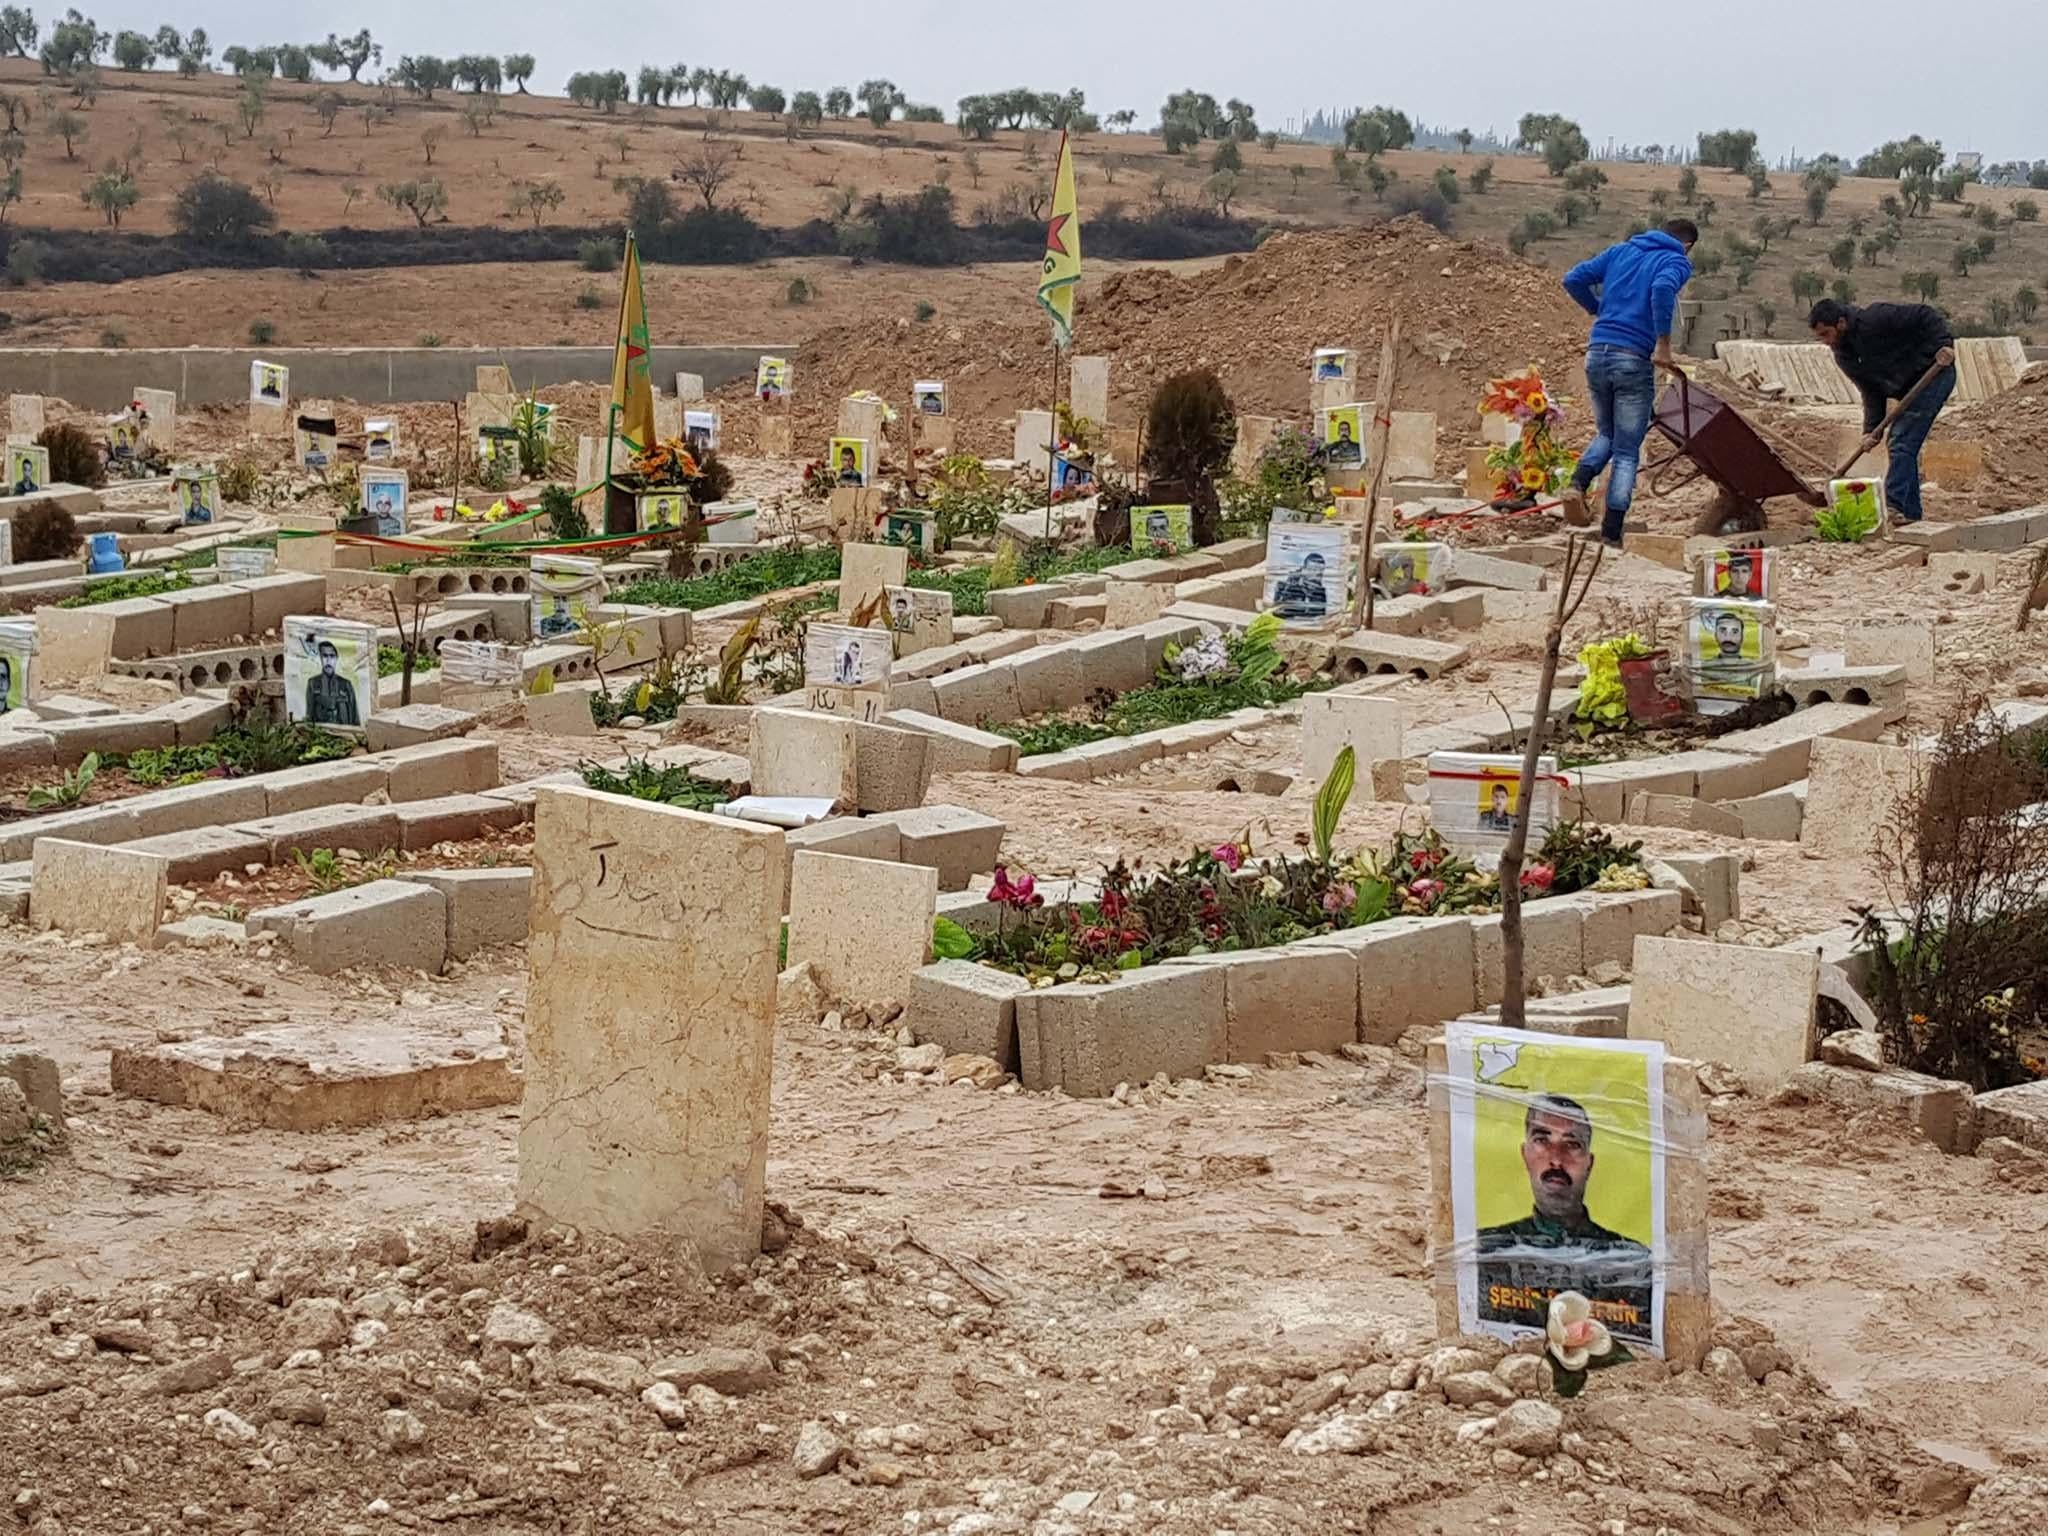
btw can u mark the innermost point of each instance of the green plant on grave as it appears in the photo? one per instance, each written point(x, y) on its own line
point(1076, 429)
point(154, 766)
point(1847, 524)
point(117, 589)
point(1602, 699)
point(533, 426)
point(239, 478)
point(669, 785)
point(69, 790)
point(75, 457)
point(1578, 854)
point(730, 688)
point(322, 866)
point(263, 745)
point(45, 531)
point(1329, 804)
point(1288, 474)
point(565, 518)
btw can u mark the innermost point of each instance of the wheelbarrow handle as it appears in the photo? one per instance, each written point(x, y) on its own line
point(1933, 372)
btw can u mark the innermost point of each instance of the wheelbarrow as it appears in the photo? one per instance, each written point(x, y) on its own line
point(1711, 439)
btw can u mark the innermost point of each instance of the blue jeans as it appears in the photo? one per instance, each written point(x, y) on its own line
point(1909, 431)
point(1623, 388)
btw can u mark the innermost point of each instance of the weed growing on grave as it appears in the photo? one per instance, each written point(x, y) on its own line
point(669, 785)
point(151, 767)
point(260, 745)
point(1961, 970)
point(391, 661)
point(45, 531)
point(1288, 474)
point(1199, 682)
point(558, 505)
point(589, 298)
point(117, 589)
point(332, 871)
point(1848, 524)
point(69, 790)
point(772, 570)
point(239, 478)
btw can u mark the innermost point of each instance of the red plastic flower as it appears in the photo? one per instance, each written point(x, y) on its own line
point(1423, 860)
point(1538, 877)
point(1229, 855)
point(1426, 890)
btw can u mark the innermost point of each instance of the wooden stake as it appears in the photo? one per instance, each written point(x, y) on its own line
point(1580, 573)
point(1376, 455)
point(2035, 575)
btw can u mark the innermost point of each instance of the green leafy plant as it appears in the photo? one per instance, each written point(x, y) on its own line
point(772, 570)
point(669, 785)
point(117, 589)
point(1288, 474)
point(263, 745)
point(952, 942)
point(69, 790)
point(1329, 803)
point(391, 661)
point(151, 766)
point(558, 505)
point(533, 426)
point(730, 687)
point(1847, 524)
point(240, 476)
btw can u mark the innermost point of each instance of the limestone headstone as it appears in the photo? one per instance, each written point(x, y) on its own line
point(1131, 603)
point(776, 435)
point(160, 406)
point(1372, 727)
point(80, 888)
point(867, 570)
point(650, 1020)
point(25, 416)
point(1088, 390)
point(864, 925)
point(1890, 645)
point(921, 620)
point(689, 387)
point(1411, 446)
point(1032, 443)
point(862, 417)
point(1254, 433)
point(493, 379)
point(1751, 1008)
point(668, 418)
point(1853, 788)
point(799, 752)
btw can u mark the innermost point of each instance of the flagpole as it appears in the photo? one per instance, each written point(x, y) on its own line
point(1052, 447)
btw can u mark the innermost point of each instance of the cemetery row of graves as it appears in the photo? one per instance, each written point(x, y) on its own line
point(738, 771)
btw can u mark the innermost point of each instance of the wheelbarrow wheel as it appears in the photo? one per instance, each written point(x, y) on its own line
point(1729, 513)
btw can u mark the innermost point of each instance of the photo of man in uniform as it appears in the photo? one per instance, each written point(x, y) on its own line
point(6, 684)
point(900, 615)
point(1728, 629)
point(849, 466)
point(1344, 447)
point(1499, 814)
point(931, 403)
point(1741, 581)
point(1330, 365)
point(1300, 594)
point(24, 477)
point(558, 620)
point(269, 385)
point(1558, 1246)
point(196, 509)
point(330, 697)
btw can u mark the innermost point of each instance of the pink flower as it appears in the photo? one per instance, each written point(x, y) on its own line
point(1228, 855)
point(1538, 877)
point(1339, 898)
point(1021, 892)
point(1426, 890)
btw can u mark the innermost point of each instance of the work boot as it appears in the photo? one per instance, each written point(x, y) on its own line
point(1576, 513)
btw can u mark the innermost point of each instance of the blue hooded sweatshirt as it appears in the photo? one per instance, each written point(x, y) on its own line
point(1632, 290)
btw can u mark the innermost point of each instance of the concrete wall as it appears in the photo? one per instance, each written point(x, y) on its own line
point(105, 380)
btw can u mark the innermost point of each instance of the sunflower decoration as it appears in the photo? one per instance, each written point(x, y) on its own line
point(1529, 465)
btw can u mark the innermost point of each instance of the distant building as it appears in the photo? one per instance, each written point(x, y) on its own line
point(1968, 160)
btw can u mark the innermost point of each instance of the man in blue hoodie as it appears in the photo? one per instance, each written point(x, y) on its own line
point(1631, 290)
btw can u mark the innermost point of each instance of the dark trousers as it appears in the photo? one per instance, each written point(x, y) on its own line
point(1909, 431)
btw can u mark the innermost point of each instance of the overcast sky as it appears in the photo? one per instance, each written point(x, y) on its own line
point(1808, 75)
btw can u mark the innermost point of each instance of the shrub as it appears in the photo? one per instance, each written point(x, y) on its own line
point(239, 478)
point(564, 517)
point(925, 310)
point(219, 212)
point(918, 230)
point(1190, 429)
point(1424, 203)
point(589, 298)
point(24, 262)
point(799, 291)
point(45, 531)
point(428, 339)
point(597, 256)
point(262, 332)
point(74, 460)
point(306, 251)
point(712, 482)
point(113, 338)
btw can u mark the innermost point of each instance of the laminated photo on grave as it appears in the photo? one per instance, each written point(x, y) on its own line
point(1474, 797)
point(1070, 476)
point(497, 448)
point(1333, 363)
point(1741, 574)
point(313, 443)
point(195, 495)
point(841, 656)
point(732, 522)
point(482, 663)
point(1729, 651)
point(659, 510)
point(28, 469)
point(919, 618)
point(380, 441)
point(269, 383)
point(847, 461)
point(1162, 531)
point(930, 395)
point(1343, 436)
point(772, 379)
point(124, 435)
point(1557, 1181)
point(385, 494)
point(330, 670)
point(564, 590)
point(241, 564)
point(700, 431)
point(912, 530)
point(1306, 567)
point(1411, 570)
point(17, 650)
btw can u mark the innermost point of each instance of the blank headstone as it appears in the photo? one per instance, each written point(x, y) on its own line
point(1373, 727)
point(689, 387)
point(862, 418)
point(1852, 790)
point(866, 569)
point(25, 416)
point(1750, 1008)
point(864, 925)
point(1088, 389)
point(1033, 441)
point(493, 379)
point(1411, 446)
point(1892, 645)
point(161, 406)
point(650, 1020)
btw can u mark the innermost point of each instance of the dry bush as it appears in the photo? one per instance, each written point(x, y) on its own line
point(1961, 964)
point(45, 531)
point(75, 459)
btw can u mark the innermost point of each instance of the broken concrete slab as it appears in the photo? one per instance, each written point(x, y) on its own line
point(1752, 1009)
point(1786, 745)
point(1940, 1110)
point(83, 888)
point(864, 926)
point(893, 766)
point(1775, 816)
point(1684, 812)
point(1371, 653)
point(312, 1077)
point(1886, 645)
point(2019, 1114)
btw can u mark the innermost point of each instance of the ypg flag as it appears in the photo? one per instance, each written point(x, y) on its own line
point(1062, 269)
point(632, 367)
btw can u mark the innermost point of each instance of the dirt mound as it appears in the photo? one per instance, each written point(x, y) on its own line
point(1469, 312)
point(548, 1383)
point(2013, 428)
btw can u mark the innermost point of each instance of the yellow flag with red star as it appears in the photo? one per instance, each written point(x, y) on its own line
point(632, 363)
point(1062, 268)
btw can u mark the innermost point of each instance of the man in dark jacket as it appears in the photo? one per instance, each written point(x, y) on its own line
point(1632, 291)
point(1885, 349)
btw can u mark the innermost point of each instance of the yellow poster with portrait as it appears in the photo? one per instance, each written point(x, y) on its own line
point(847, 459)
point(1344, 436)
point(1730, 648)
point(662, 509)
point(1557, 1179)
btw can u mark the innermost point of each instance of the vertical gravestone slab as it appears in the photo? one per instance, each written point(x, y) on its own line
point(650, 1020)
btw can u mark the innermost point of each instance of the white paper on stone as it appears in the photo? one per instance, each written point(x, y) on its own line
point(242, 564)
point(841, 656)
point(700, 431)
point(1306, 569)
point(483, 663)
point(380, 441)
point(776, 810)
point(1473, 797)
point(930, 395)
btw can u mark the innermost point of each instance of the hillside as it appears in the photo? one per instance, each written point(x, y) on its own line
point(321, 177)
